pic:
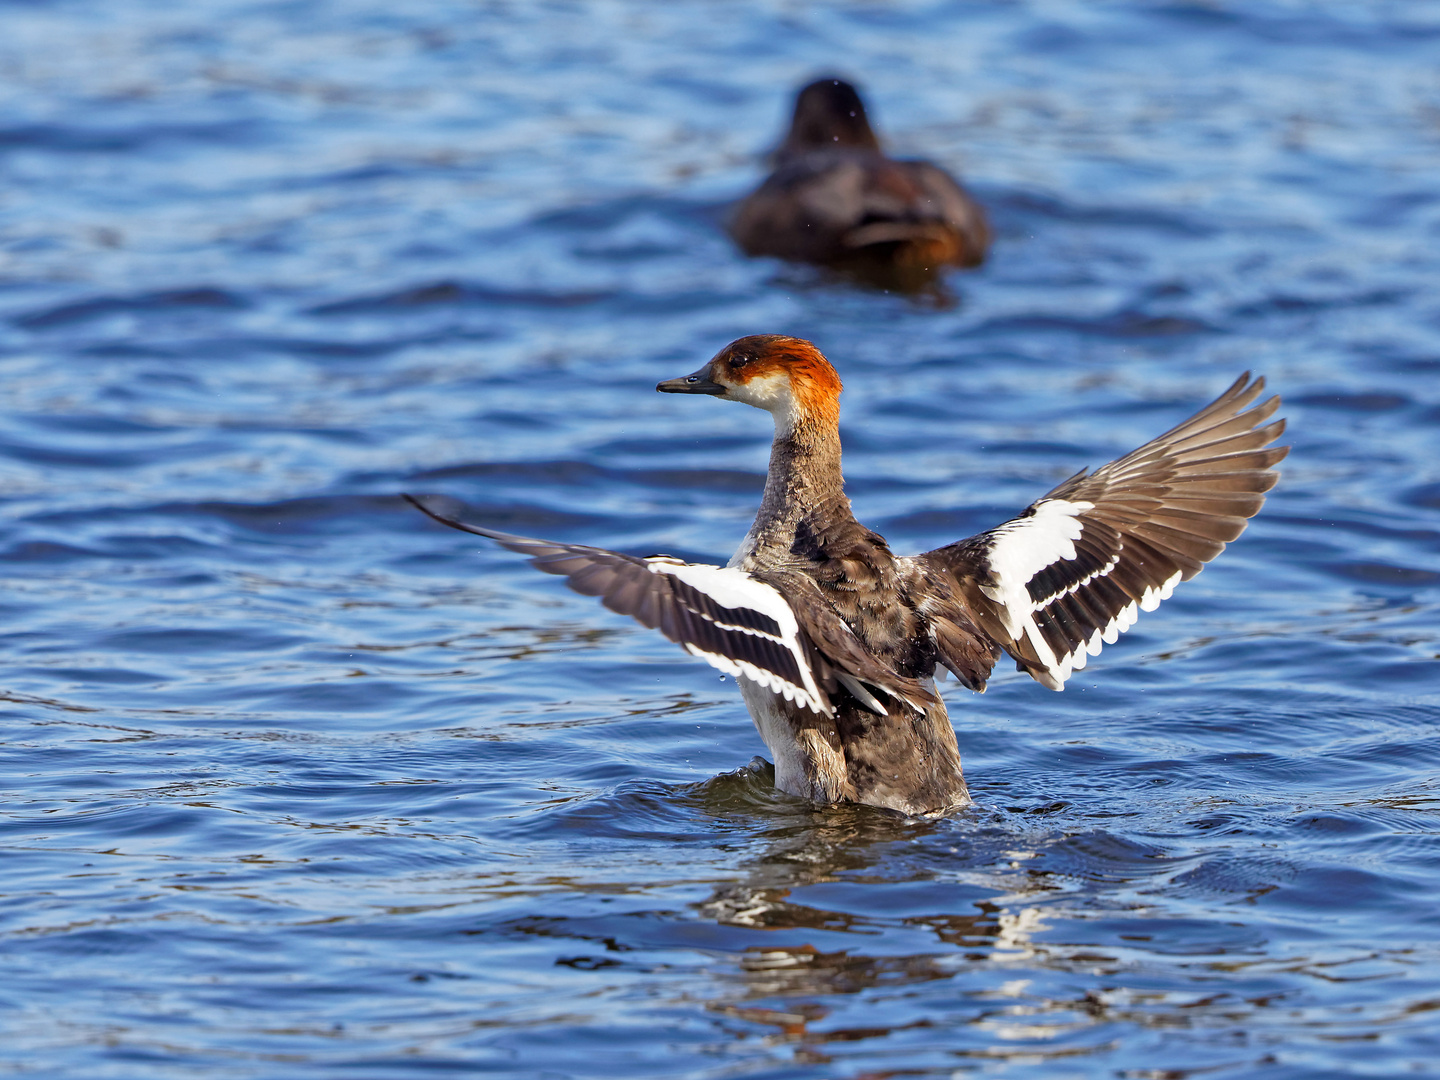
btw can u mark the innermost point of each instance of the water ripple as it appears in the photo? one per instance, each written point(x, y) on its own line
point(298, 784)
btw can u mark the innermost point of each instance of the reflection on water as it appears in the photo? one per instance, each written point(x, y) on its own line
point(296, 784)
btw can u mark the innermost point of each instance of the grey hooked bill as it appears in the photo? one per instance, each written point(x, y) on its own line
point(698, 383)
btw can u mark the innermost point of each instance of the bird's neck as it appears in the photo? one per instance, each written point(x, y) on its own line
point(803, 484)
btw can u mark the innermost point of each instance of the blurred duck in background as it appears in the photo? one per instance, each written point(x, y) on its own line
point(835, 199)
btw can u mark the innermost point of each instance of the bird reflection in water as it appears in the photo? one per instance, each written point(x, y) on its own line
point(782, 984)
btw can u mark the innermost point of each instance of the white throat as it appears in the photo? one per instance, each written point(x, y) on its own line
point(773, 394)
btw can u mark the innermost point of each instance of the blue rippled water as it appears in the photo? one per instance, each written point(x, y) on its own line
point(297, 784)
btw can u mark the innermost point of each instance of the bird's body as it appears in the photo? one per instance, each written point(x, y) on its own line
point(836, 641)
point(835, 198)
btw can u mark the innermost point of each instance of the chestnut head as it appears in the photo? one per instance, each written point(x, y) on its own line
point(786, 376)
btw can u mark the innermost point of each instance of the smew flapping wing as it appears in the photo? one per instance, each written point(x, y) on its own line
point(1072, 572)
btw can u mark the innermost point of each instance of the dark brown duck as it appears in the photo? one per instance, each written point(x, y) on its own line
point(835, 198)
point(835, 641)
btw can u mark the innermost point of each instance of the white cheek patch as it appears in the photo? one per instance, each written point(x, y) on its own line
point(769, 392)
point(762, 391)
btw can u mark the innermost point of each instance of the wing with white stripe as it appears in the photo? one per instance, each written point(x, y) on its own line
point(736, 622)
point(1072, 573)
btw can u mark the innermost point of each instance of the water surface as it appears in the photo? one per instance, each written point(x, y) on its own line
point(297, 784)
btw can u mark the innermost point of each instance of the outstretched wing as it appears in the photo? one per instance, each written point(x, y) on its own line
point(1075, 569)
point(727, 617)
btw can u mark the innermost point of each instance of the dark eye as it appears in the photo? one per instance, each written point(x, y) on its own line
point(693, 378)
